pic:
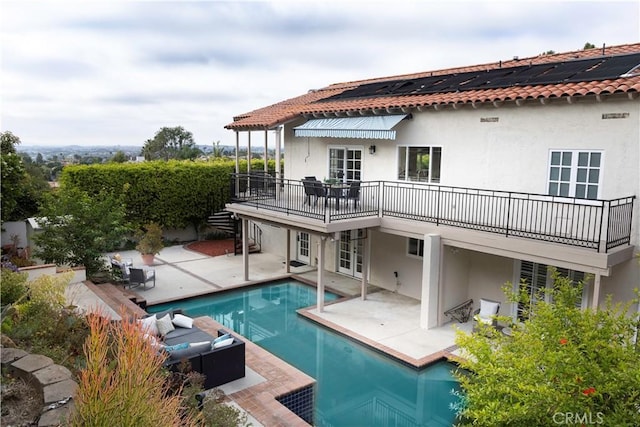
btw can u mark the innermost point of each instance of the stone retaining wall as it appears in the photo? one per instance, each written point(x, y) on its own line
point(53, 381)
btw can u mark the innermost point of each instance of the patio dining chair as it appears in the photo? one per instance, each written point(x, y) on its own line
point(354, 193)
point(141, 276)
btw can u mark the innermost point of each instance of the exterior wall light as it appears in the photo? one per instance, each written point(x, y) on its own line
point(372, 149)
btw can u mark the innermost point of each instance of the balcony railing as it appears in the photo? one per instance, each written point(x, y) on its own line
point(594, 224)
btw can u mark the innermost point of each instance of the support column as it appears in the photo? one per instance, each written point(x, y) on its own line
point(430, 281)
point(249, 152)
point(320, 297)
point(245, 248)
point(365, 269)
point(287, 258)
point(278, 132)
point(266, 152)
point(596, 292)
point(237, 163)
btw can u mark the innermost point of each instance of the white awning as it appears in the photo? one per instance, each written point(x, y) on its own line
point(371, 127)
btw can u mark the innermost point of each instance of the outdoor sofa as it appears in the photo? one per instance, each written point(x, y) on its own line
point(220, 359)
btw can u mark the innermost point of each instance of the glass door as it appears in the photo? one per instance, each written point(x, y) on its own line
point(303, 247)
point(350, 249)
point(345, 164)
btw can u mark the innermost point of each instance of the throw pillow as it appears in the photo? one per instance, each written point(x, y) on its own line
point(224, 343)
point(164, 325)
point(183, 321)
point(148, 325)
point(221, 338)
point(180, 346)
point(189, 352)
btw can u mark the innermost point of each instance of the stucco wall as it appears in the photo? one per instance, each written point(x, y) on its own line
point(487, 275)
point(620, 285)
point(389, 254)
point(510, 154)
point(454, 277)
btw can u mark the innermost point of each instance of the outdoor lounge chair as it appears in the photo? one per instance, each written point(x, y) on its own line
point(120, 268)
point(461, 312)
point(141, 276)
point(487, 312)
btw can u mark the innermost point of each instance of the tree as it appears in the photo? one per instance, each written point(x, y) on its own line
point(170, 143)
point(21, 185)
point(562, 365)
point(77, 229)
point(588, 45)
point(119, 157)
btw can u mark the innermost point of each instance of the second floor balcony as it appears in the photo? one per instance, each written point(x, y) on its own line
point(598, 225)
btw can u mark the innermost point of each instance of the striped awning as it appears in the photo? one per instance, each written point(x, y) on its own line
point(372, 127)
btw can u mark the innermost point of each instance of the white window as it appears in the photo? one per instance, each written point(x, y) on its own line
point(415, 247)
point(419, 163)
point(538, 278)
point(574, 173)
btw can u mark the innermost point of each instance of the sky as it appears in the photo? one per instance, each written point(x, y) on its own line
point(114, 73)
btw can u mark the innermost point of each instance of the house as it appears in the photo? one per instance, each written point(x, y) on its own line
point(466, 178)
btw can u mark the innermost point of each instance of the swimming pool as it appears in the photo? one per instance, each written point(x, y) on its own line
point(355, 386)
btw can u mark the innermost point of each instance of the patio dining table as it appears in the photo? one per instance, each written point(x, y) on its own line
point(336, 191)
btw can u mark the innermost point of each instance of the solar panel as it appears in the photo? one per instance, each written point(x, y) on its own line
point(602, 68)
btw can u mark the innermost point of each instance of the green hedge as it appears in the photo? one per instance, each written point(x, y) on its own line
point(174, 194)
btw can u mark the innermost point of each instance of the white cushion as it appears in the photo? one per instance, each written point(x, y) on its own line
point(183, 321)
point(149, 325)
point(164, 325)
point(487, 310)
point(223, 343)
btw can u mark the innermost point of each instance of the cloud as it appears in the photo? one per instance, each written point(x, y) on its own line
point(98, 72)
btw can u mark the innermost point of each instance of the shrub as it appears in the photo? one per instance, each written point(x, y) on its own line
point(123, 383)
point(42, 324)
point(14, 286)
point(561, 363)
point(218, 414)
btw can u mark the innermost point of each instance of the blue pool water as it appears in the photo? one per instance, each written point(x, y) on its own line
point(355, 385)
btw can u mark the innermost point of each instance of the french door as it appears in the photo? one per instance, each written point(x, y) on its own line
point(303, 247)
point(350, 250)
point(345, 164)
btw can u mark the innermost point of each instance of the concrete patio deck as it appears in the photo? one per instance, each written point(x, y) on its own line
point(386, 320)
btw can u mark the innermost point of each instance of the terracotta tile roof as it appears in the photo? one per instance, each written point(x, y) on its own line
point(307, 105)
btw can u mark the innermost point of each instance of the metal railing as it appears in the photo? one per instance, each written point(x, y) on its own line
point(324, 202)
point(595, 224)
